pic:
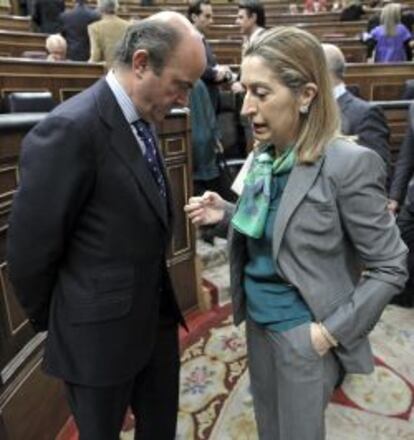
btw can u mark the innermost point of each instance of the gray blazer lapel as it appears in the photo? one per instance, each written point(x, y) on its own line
point(300, 181)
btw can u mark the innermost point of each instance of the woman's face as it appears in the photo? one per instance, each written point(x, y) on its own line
point(271, 107)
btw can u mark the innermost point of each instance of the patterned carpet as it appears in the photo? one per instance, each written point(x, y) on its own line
point(215, 402)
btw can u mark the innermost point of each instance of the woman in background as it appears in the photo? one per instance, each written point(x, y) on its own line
point(312, 212)
point(314, 6)
point(392, 39)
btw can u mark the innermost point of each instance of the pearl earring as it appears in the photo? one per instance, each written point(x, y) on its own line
point(303, 109)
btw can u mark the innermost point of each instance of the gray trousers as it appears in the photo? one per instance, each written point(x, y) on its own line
point(290, 383)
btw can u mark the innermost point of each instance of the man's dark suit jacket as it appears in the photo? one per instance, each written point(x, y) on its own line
point(367, 121)
point(46, 15)
point(75, 30)
point(404, 168)
point(87, 242)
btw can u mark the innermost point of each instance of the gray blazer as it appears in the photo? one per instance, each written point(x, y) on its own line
point(333, 221)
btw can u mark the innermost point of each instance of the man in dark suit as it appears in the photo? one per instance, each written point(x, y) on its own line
point(89, 230)
point(46, 15)
point(401, 198)
point(358, 117)
point(75, 30)
point(200, 13)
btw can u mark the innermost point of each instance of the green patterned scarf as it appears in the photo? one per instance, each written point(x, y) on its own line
point(252, 209)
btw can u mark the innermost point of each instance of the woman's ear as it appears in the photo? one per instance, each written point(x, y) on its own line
point(306, 96)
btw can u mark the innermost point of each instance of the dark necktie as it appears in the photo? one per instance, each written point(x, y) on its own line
point(151, 154)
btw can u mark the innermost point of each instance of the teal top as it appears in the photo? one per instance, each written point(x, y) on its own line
point(271, 301)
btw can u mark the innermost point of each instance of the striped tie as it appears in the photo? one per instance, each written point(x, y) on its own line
point(151, 154)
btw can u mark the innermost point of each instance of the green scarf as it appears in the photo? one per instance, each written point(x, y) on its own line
point(252, 210)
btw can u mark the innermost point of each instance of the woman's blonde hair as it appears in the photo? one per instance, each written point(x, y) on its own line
point(390, 17)
point(296, 57)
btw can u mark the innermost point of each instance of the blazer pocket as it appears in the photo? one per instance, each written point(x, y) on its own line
point(318, 206)
point(299, 339)
point(113, 280)
point(100, 310)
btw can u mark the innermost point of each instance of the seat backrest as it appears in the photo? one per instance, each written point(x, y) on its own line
point(34, 102)
point(35, 54)
point(408, 90)
point(228, 120)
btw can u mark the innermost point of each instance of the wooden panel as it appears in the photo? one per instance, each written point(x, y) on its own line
point(396, 113)
point(174, 136)
point(14, 43)
point(63, 79)
point(379, 82)
point(229, 51)
point(33, 406)
point(15, 23)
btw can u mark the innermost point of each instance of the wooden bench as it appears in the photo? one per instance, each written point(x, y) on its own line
point(379, 82)
point(396, 113)
point(62, 79)
point(321, 30)
point(229, 51)
point(15, 23)
point(14, 43)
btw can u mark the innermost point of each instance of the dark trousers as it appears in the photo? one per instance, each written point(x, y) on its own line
point(152, 395)
point(405, 222)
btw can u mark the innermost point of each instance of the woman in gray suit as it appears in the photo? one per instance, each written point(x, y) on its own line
point(311, 214)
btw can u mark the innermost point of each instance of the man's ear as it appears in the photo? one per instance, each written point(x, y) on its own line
point(140, 62)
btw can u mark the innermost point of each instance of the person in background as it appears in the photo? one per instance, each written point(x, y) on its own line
point(391, 39)
point(56, 47)
point(45, 15)
point(74, 28)
point(311, 214)
point(359, 118)
point(314, 6)
point(106, 34)
point(200, 13)
point(90, 266)
point(401, 201)
point(352, 10)
point(205, 138)
point(251, 18)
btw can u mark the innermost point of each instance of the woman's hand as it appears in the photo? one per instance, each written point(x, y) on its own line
point(319, 341)
point(205, 210)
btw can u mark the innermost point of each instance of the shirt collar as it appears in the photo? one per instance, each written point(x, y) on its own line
point(255, 33)
point(124, 101)
point(339, 90)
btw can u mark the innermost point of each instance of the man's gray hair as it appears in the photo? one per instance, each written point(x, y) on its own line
point(157, 37)
point(335, 60)
point(108, 6)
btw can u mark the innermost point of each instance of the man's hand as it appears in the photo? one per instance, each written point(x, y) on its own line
point(393, 206)
point(237, 87)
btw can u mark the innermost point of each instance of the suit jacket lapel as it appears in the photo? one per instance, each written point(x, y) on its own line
point(300, 181)
point(125, 145)
point(344, 102)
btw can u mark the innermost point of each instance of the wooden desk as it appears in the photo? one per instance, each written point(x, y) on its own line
point(62, 79)
point(379, 81)
point(14, 43)
point(15, 23)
